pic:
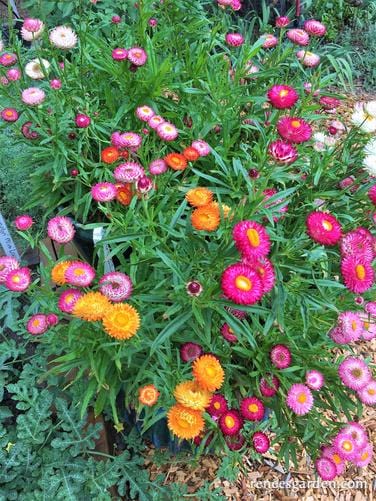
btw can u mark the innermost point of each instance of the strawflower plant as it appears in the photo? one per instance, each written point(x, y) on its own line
point(239, 245)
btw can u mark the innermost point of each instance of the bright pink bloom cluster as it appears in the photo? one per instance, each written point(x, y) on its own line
point(40, 323)
point(18, 280)
point(23, 222)
point(293, 129)
point(357, 254)
point(282, 96)
point(136, 55)
point(323, 228)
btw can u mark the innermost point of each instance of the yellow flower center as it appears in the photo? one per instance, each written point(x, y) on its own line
point(69, 298)
point(253, 237)
point(230, 330)
point(9, 113)
point(327, 225)
point(353, 325)
point(149, 394)
point(347, 445)
point(364, 456)
point(357, 373)
point(360, 271)
point(16, 279)
point(217, 405)
point(168, 128)
point(253, 408)
point(210, 371)
point(295, 124)
point(183, 423)
point(336, 459)
point(243, 283)
point(121, 319)
point(78, 272)
point(371, 391)
point(366, 325)
point(229, 421)
point(283, 93)
point(302, 398)
point(35, 322)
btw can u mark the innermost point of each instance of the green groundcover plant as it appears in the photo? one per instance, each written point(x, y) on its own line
point(233, 271)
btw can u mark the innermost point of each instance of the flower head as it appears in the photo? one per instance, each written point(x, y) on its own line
point(218, 406)
point(60, 229)
point(202, 147)
point(364, 457)
point(326, 468)
point(121, 321)
point(79, 274)
point(208, 372)
point(367, 394)
point(354, 373)
point(7, 264)
point(144, 113)
point(63, 37)
point(110, 155)
point(282, 22)
point(323, 228)
point(330, 453)
point(199, 197)
point(269, 41)
point(24, 222)
point(230, 422)
point(357, 243)
point(314, 380)
point(13, 74)
point(37, 68)
point(260, 442)
point(137, 56)
point(351, 326)
point(148, 395)
point(9, 115)
point(252, 408)
point(18, 280)
point(298, 36)
point(68, 299)
point(206, 218)
point(194, 288)
point(167, 131)
point(37, 324)
point(282, 96)
point(363, 119)
point(357, 432)
point(295, 130)
point(345, 446)
point(190, 394)
point(116, 286)
point(251, 239)
point(190, 351)
point(91, 306)
point(299, 399)
point(241, 284)
point(82, 121)
point(308, 58)
point(33, 96)
point(357, 273)
point(234, 39)
point(314, 28)
point(191, 154)
point(265, 271)
point(8, 59)
point(155, 121)
point(185, 423)
point(228, 333)
point(103, 192)
point(27, 132)
point(158, 167)
point(58, 272)
point(119, 54)
point(282, 152)
point(269, 389)
point(280, 356)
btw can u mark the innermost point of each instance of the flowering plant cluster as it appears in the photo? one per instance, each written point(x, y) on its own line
point(238, 241)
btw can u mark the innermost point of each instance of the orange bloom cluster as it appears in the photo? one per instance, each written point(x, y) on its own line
point(207, 214)
point(193, 397)
point(179, 161)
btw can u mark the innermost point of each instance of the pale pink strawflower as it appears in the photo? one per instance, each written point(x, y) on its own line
point(299, 399)
point(82, 121)
point(68, 299)
point(32, 25)
point(314, 380)
point(137, 56)
point(14, 74)
point(354, 373)
point(116, 286)
point(269, 41)
point(367, 394)
point(280, 356)
point(314, 28)
point(23, 222)
point(33, 96)
point(7, 264)
point(9, 115)
point(119, 54)
point(60, 229)
point(351, 325)
point(308, 59)
point(103, 192)
point(63, 37)
point(37, 324)
point(364, 457)
point(355, 243)
point(337, 336)
point(357, 432)
point(155, 121)
point(79, 274)
point(29, 36)
point(129, 140)
point(158, 167)
point(234, 39)
point(55, 84)
point(298, 36)
point(144, 113)
point(18, 280)
point(202, 147)
point(128, 172)
point(167, 131)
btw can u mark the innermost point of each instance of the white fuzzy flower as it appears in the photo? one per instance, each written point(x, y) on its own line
point(370, 148)
point(370, 108)
point(363, 120)
point(369, 164)
point(63, 37)
point(37, 68)
point(29, 37)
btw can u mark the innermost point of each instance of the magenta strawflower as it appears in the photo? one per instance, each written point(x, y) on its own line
point(372, 194)
point(119, 54)
point(337, 336)
point(103, 192)
point(282, 96)
point(234, 39)
point(167, 131)
point(116, 286)
point(282, 21)
point(32, 25)
point(218, 406)
point(355, 243)
point(265, 271)
point(116, 19)
point(314, 380)
point(33, 96)
point(314, 28)
point(55, 84)
point(357, 432)
point(269, 387)
point(367, 395)
point(251, 239)
point(60, 229)
point(235, 442)
point(7, 264)
point(354, 373)
point(370, 308)
point(82, 121)
point(282, 152)
point(158, 167)
point(357, 273)
point(144, 184)
point(155, 121)
point(252, 409)
point(8, 59)
point(202, 147)
point(241, 284)
point(323, 228)
point(293, 129)
point(79, 274)
point(52, 319)
point(308, 58)
point(280, 356)
point(326, 468)
point(128, 172)
point(18, 280)
point(68, 299)
point(230, 422)
point(37, 324)
point(137, 56)
point(364, 457)
point(345, 446)
point(260, 442)
point(228, 334)
point(298, 36)
point(144, 113)
point(329, 103)
point(9, 115)
point(14, 74)
point(330, 453)
point(269, 41)
point(127, 140)
point(190, 351)
point(194, 288)
point(23, 222)
point(299, 399)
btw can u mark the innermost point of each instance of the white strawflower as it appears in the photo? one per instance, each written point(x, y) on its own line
point(63, 37)
point(370, 108)
point(363, 120)
point(37, 68)
point(369, 164)
point(29, 36)
point(370, 148)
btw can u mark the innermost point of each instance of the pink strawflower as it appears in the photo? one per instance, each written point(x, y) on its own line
point(55, 84)
point(14, 74)
point(260, 442)
point(282, 22)
point(225, 3)
point(367, 394)
point(144, 113)
point(357, 273)
point(119, 54)
point(4, 81)
point(104, 192)
point(32, 25)
point(295, 130)
point(308, 59)
point(190, 351)
point(228, 334)
point(345, 446)
point(283, 153)
point(282, 96)
point(152, 22)
point(236, 5)
point(337, 336)
point(52, 319)
point(234, 39)
point(364, 456)
point(116, 19)
point(357, 432)
point(79, 274)
point(329, 103)
point(372, 194)
point(18, 280)
point(330, 453)
point(24, 222)
point(269, 389)
point(369, 328)
point(155, 121)
point(33, 96)
point(351, 325)
point(252, 409)
point(137, 56)
point(158, 167)
point(265, 270)
point(323, 228)
point(116, 286)
point(230, 422)
point(167, 131)
point(37, 324)
point(280, 356)
point(7, 264)
point(27, 132)
point(8, 59)
point(241, 284)
point(202, 147)
point(82, 121)
point(348, 182)
point(9, 114)
point(144, 184)
point(314, 28)
point(68, 299)
point(354, 373)
point(298, 36)
point(251, 239)
point(270, 41)
point(299, 399)
point(130, 140)
point(128, 172)
point(326, 468)
point(218, 406)
point(370, 308)
point(355, 243)
point(314, 380)
point(60, 229)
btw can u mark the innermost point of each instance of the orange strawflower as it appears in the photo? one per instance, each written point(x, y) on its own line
point(206, 218)
point(191, 395)
point(148, 395)
point(198, 197)
point(176, 161)
point(91, 306)
point(225, 209)
point(124, 193)
point(110, 155)
point(184, 422)
point(121, 321)
point(191, 154)
point(208, 372)
point(58, 272)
